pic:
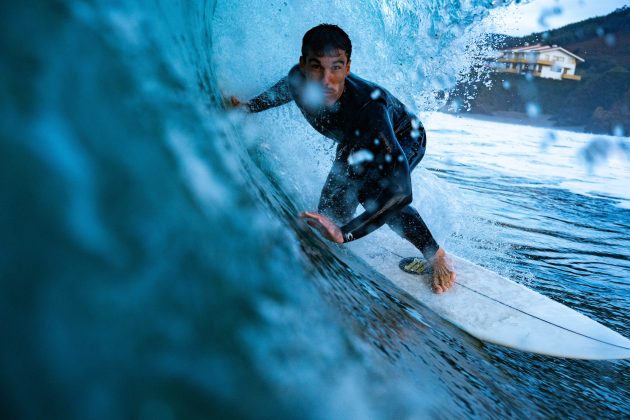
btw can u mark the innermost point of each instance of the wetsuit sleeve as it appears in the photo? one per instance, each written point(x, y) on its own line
point(387, 174)
point(278, 94)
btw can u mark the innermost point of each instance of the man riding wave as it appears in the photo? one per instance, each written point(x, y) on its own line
point(379, 143)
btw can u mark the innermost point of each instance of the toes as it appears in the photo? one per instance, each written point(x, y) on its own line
point(437, 285)
point(449, 280)
point(446, 279)
point(443, 281)
point(453, 277)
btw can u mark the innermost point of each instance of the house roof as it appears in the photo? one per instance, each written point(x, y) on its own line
point(542, 48)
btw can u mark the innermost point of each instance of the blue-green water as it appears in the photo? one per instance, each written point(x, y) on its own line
point(151, 263)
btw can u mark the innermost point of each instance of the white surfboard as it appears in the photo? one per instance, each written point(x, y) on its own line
point(500, 311)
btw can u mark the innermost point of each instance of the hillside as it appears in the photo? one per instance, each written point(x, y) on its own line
point(599, 102)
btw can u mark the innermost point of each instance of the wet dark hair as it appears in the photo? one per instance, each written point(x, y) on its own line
point(326, 38)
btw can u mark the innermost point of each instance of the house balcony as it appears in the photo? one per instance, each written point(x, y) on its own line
point(525, 61)
point(516, 71)
point(504, 70)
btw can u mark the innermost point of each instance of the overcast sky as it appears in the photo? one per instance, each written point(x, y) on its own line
point(541, 15)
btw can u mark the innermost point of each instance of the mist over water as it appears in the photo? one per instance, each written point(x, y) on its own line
point(152, 264)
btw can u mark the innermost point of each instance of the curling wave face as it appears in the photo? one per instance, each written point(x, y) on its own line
point(152, 264)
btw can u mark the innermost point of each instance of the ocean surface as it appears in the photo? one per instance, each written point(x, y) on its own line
point(152, 265)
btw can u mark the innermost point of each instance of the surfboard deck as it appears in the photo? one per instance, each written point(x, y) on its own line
point(497, 310)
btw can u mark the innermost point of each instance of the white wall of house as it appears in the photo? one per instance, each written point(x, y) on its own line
point(551, 73)
point(563, 63)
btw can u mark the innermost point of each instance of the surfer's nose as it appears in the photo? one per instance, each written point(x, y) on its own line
point(328, 78)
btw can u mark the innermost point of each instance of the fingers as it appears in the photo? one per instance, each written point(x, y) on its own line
point(320, 219)
point(312, 220)
point(324, 225)
point(310, 215)
point(235, 103)
point(316, 225)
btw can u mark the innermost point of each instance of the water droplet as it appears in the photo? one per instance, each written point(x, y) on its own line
point(376, 93)
point(596, 152)
point(360, 156)
point(610, 40)
point(600, 32)
point(377, 142)
point(529, 77)
point(507, 85)
point(549, 139)
point(388, 158)
point(533, 110)
point(618, 130)
point(313, 95)
point(357, 133)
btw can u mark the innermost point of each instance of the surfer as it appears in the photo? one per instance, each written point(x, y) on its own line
point(379, 143)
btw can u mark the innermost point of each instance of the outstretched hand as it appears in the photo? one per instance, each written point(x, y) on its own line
point(324, 225)
point(234, 102)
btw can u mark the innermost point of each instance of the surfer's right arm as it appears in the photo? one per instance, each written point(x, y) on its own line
point(278, 94)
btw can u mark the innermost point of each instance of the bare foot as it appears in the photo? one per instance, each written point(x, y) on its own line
point(443, 272)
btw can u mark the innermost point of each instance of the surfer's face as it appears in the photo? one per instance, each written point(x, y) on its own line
point(329, 71)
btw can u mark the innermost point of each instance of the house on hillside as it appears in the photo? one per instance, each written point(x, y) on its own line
point(551, 62)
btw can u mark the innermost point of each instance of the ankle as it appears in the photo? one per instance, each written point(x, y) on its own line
point(440, 253)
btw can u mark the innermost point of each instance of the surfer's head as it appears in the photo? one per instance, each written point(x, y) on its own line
point(326, 51)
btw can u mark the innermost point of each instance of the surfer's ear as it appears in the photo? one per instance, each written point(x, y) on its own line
point(348, 67)
point(302, 63)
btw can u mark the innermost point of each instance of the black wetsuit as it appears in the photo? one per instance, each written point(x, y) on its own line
point(379, 144)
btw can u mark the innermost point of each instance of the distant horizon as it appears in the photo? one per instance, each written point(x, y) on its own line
point(544, 15)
